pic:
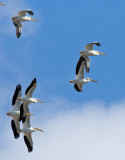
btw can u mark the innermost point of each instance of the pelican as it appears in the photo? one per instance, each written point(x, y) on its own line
point(27, 130)
point(28, 99)
point(21, 17)
point(89, 51)
point(15, 113)
point(2, 4)
point(80, 80)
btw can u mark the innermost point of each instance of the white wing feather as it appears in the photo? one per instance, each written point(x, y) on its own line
point(23, 12)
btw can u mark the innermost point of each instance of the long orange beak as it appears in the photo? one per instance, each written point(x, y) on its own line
point(39, 101)
point(29, 114)
point(101, 53)
point(39, 129)
point(93, 80)
point(34, 19)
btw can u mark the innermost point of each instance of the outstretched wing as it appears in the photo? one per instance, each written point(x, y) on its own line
point(15, 101)
point(30, 89)
point(23, 12)
point(87, 64)
point(80, 68)
point(28, 141)
point(15, 127)
point(23, 111)
point(89, 47)
point(78, 87)
point(19, 27)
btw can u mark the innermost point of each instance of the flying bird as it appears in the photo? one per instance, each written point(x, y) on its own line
point(80, 80)
point(89, 51)
point(21, 17)
point(27, 99)
point(15, 113)
point(27, 130)
point(2, 4)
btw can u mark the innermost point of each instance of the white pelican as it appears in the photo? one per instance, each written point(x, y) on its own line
point(89, 51)
point(15, 113)
point(27, 130)
point(28, 99)
point(21, 17)
point(2, 4)
point(80, 80)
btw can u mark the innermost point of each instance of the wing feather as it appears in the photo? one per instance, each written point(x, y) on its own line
point(23, 12)
point(89, 47)
point(28, 141)
point(80, 68)
point(19, 27)
point(31, 88)
point(87, 64)
point(23, 111)
point(15, 101)
point(78, 87)
point(15, 128)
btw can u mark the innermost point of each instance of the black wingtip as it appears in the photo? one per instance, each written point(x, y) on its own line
point(31, 12)
point(87, 70)
point(21, 112)
point(31, 84)
point(29, 147)
point(18, 88)
point(77, 88)
point(81, 59)
point(16, 134)
point(18, 36)
point(98, 44)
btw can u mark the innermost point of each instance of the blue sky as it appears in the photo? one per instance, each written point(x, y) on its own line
point(49, 50)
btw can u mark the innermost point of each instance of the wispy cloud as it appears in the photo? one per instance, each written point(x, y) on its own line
point(91, 131)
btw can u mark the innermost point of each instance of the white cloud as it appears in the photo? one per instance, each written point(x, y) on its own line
point(93, 131)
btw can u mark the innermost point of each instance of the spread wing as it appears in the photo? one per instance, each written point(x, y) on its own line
point(15, 101)
point(78, 87)
point(28, 141)
point(80, 68)
point(19, 27)
point(23, 111)
point(89, 47)
point(23, 12)
point(30, 89)
point(87, 64)
point(80, 72)
point(15, 127)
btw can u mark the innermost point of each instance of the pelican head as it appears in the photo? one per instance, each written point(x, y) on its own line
point(89, 79)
